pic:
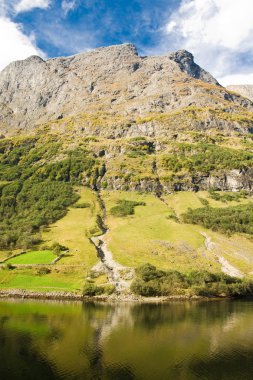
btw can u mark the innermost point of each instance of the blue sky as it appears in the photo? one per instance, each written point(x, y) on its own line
point(218, 32)
point(70, 26)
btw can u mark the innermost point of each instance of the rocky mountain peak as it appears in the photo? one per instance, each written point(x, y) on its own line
point(185, 60)
point(114, 80)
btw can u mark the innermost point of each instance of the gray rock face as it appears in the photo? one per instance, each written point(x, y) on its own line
point(185, 61)
point(114, 80)
point(230, 180)
point(245, 90)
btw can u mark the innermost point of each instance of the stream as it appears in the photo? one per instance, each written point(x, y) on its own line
point(118, 275)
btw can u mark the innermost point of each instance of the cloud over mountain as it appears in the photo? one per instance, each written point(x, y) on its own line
point(218, 32)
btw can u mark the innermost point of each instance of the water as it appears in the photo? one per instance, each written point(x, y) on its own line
point(176, 341)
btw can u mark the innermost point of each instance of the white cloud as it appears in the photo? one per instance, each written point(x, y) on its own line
point(14, 43)
point(17, 46)
point(218, 33)
point(28, 5)
point(237, 79)
point(68, 6)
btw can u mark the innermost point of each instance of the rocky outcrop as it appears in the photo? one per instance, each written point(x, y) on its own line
point(185, 61)
point(226, 180)
point(114, 80)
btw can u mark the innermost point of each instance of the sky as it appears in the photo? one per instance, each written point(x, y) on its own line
point(219, 33)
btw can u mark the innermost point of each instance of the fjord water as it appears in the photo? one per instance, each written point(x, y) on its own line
point(184, 341)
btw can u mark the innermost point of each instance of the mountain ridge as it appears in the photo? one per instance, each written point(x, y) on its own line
point(114, 79)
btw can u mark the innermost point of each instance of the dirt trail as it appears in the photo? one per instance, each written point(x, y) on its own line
point(226, 267)
point(118, 275)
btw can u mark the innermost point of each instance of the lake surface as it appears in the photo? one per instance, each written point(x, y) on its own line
point(177, 341)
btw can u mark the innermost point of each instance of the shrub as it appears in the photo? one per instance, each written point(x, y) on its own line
point(149, 272)
point(204, 201)
point(228, 197)
point(109, 289)
point(81, 205)
point(26, 207)
point(8, 266)
point(43, 270)
point(125, 208)
point(150, 281)
point(92, 290)
point(227, 220)
point(58, 248)
point(145, 289)
point(205, 158)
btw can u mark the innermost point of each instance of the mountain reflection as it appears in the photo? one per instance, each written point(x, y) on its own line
point(57, 340)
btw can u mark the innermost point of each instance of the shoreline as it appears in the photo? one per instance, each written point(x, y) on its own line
point(68, 296)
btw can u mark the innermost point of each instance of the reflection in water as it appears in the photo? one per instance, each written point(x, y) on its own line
point(185, 341)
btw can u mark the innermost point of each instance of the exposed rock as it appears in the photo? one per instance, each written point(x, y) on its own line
point(186, 63)
point(114, 80)
point(230, 180)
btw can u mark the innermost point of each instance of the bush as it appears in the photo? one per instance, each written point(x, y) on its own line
point(148, 272)
point(58, 248)
point(153, 282)
point(92, 290)
point(150, 282)
point(205, 158)
point(204, 201)
point(125, 208)
point(81, 205)
point(109, 289)
point(41, 188)
point(227, 220)
point(228, 197)
point(8, 266)
point(27, 206)
point(145, 289)
point(43, 270)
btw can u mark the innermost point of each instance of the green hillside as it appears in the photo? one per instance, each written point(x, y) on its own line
point(164, 202)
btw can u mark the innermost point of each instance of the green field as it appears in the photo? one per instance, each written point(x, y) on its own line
point(153, 234)
point(58, 280)
point(70, 272)
point(72, 231)
point(35, 257)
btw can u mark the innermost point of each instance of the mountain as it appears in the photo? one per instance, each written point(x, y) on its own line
point(114, 80)
point(110, 160)
point(245, 90)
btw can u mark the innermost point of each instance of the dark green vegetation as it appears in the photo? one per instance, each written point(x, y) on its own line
point(28, 205)
point(125, 208)
point(37, 159)
point(205, 158)
point(41, 187)
point(91, 290)
point(153, 282)
point(82, 205)
point(227, 197)
point(227, 220)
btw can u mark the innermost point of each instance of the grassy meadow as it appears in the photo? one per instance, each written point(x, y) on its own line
point(34, 257)
point(153, 234)
point(73, 229)
point(69, 273)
